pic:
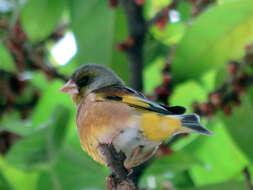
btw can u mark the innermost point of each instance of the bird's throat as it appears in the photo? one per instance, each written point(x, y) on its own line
point(76, 98)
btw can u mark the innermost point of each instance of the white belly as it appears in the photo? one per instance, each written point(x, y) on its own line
point(135, 146)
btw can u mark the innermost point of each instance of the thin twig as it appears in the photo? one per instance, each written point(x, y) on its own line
point(53, 35)
point(248, 178)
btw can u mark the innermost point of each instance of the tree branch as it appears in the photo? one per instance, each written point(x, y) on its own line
point(119, 179)
point(137, 29)
point(248, 178)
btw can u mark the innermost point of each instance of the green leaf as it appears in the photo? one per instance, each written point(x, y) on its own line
point(185, 10)
point(153, 71)
point(41, 147)
point(17, 179)
point(73, 170)
point(216, 36)
point(4, 183)
point(49, 99)
point(180, 180)
point(12, 122)
point(178, 161)
point(151, 7)
point(221, 157)
point(97, 28)
point(239, 125)
point(194, 92)
point(232, 185)
point(6, 62)
point(171, 34)
point(40, 18)
point(154, 49)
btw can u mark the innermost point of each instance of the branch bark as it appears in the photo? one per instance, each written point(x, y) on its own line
point(137, 30)
point(119, 179)
point(248, 178)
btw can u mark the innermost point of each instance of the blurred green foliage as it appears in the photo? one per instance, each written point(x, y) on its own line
point(49, 156)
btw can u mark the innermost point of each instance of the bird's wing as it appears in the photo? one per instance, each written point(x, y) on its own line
point(135, 99)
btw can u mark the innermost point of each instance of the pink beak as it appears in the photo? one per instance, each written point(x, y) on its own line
point(69, 88)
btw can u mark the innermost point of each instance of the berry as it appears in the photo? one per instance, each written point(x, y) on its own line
point(207, 108)
point(166, 79)
point(248, 47)
point(161, 23)
point(162, 92)
point(120, 47)
point(164, 151)
point(204, 107)
point(130, 42)
point(215, 98)
point(227, 109)
point(232, 67)
point(185, 134)
point(113, 3)
point(139, 2)
point(238, 88)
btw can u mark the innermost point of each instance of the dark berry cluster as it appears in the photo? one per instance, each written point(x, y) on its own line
point(113, 3)
point(14, 87)
point(162, 92)
point(26, 56)
point(126, 45)
point(229, 93)
point(6, 140)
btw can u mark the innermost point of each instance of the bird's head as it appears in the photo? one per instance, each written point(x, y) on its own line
point(88, 78)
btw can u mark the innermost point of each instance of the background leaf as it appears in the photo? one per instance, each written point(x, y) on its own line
point(97, 37)
point(6, 61)
point(40, 18)
point(73, 170)
point(233, 185)
point(239, 125)
point(176, 162)
point(215, 37)
point(41, 147)
point(219, 165)
point(4, 183)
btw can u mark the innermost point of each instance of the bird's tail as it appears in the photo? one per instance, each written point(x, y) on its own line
point(191, 123)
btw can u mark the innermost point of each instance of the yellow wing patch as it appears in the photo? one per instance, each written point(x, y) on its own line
point(158, 127)
point(133, 100)
point(141, 104)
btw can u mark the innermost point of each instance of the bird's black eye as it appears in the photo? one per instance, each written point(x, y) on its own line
point(83, 81)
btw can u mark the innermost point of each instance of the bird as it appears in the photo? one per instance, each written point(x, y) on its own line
point(109, 112)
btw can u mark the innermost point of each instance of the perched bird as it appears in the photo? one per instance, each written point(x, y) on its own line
point(110, 112)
